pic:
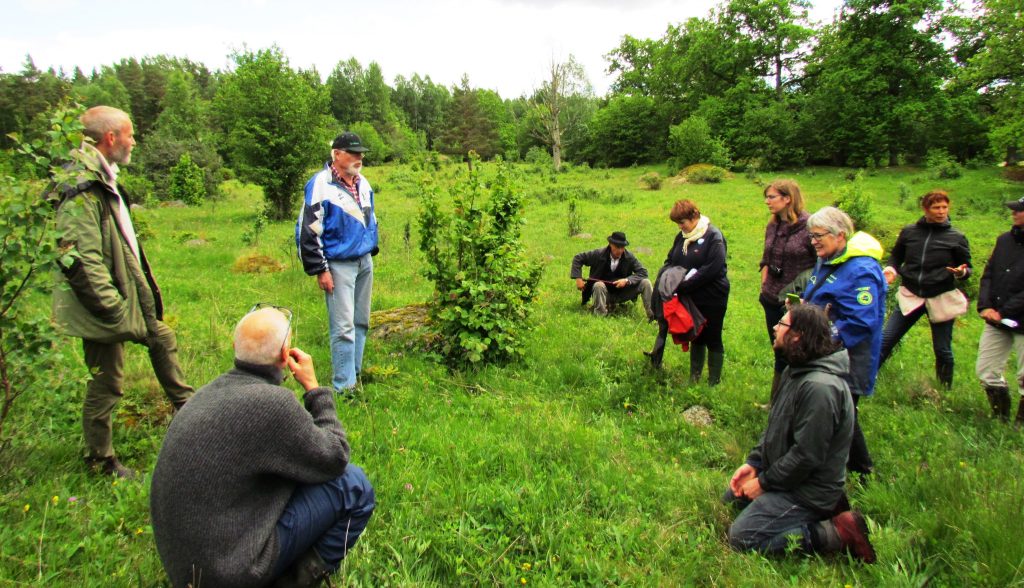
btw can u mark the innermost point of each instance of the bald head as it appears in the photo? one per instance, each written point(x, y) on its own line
point(100, 120)
point(111, 132)
point(260, 337)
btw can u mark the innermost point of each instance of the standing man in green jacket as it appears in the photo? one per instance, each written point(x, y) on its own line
point(105, 292)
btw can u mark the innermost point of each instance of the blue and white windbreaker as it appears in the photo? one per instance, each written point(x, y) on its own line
point(331, 226)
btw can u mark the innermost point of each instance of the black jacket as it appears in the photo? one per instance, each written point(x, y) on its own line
point(804, 448)
point(922, 253)
point(600, 262)
point(1002, 283)
point(709, 286)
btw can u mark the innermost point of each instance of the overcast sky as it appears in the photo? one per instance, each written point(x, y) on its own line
point(504, 45)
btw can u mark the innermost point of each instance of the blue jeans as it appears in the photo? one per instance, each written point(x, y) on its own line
point(773, 522)
point(898, 325)
point(348, 316)
point(328, 517)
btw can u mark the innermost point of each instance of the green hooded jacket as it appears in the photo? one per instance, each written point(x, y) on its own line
point(106, 293)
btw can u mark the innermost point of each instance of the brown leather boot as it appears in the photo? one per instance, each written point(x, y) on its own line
point(109, 466)
point(853, 533)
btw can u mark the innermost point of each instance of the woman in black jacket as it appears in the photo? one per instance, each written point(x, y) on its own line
point(929, 257)
point(1001, 304)
point(699, 248)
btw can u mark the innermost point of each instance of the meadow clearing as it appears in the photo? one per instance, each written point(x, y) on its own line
point(573, 466)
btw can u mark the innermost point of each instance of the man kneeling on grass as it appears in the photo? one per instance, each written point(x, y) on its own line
point(791, 487)
point(250, 487)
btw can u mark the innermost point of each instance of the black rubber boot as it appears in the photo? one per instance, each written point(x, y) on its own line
point(697, 353)
point(658, 352)
point(715, 361)
point(999, 399)
point(944, 374)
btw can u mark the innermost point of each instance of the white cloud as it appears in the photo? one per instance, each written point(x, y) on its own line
point(504, 45)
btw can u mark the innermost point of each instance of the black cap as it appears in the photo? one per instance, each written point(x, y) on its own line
point(618, 238)
point(349, 142)
point(1016, 205)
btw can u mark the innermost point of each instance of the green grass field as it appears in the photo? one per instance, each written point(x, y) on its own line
point(573, 466)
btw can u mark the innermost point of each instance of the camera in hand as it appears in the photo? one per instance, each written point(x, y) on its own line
point(775, 271)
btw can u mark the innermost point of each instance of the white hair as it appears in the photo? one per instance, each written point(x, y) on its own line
point(832, 220)
point(260, 336)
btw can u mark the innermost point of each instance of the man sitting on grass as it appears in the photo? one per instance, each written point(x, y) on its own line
point(616, 275)
point(250, 487)
point(791, 486)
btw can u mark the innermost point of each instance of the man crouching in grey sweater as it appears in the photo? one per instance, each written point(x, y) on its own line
point(250, 488)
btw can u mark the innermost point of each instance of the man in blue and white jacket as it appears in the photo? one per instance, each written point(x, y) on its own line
point(336, 235)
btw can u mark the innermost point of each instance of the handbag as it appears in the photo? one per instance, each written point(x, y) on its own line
point(946, 306)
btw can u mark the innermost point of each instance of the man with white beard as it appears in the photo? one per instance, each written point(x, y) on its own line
point(336, 235)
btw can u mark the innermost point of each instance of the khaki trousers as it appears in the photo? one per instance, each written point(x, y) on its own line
point(604, 295)
point(993, 351)
point(106, 367)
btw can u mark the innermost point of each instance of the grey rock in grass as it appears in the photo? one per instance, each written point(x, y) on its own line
point(698, 416)
point(195, 242)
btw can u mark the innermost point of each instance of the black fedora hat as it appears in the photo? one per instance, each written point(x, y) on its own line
point(618, 238)
point(1016, 205)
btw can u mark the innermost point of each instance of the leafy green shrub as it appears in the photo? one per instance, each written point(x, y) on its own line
point(942, 165)
point(538, 156)
point(566, 193)
point(904, 192)
point(186, 183)
point(614, 197)
point(162, 153)
point(378, 149)
point(483, 283)
point(703, 173)
point(691, 142)
point(752, 170)
point(30, 356)
point(652, 180)
point(252, 235)
point(854, 201)
point(575, 220)
point(139, 188)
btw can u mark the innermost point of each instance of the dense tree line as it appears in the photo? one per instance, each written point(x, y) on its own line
point(754, 83)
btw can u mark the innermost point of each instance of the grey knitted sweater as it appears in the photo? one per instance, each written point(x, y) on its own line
point(229, 463)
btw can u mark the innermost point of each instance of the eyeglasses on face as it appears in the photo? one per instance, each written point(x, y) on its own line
point(818, 236)
point(782, 324)
point(287, 312)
